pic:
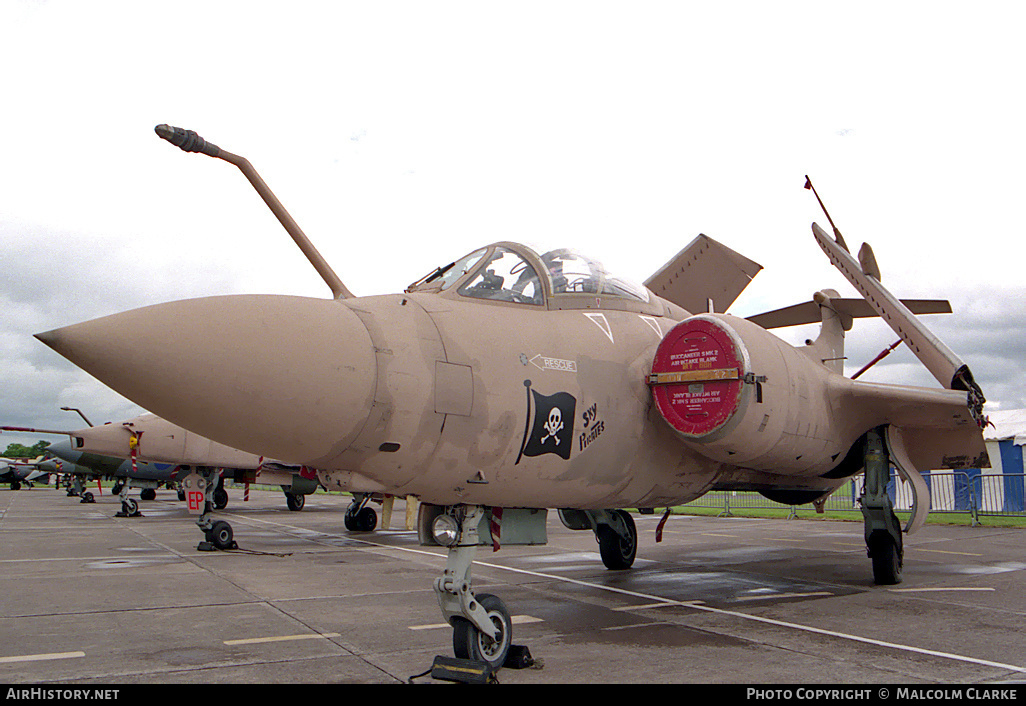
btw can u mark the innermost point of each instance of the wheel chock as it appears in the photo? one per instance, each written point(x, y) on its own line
point(519, 657)
point(465, 671)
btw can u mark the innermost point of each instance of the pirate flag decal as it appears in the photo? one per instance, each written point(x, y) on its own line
point(552, 429)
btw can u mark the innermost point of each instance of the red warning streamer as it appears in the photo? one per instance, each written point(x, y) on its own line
point(495, 526)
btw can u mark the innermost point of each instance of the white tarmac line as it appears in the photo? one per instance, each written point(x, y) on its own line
point(928, 590)
point(282, 638)
point(942, 551)
point(769, 596)
point(771, 621)
point(515, 619)
point(717, 611)
point(41, 657)
point(660, 604)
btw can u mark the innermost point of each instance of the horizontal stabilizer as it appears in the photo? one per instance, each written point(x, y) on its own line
point(705, 270)
point(808, 312)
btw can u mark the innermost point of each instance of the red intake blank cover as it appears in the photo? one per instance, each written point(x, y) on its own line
point(702, 406)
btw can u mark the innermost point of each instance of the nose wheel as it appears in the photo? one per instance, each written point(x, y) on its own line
point(220, 535)
point(129, 507)
point(468, 642)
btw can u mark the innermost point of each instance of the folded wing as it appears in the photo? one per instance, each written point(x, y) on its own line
point(703, 272)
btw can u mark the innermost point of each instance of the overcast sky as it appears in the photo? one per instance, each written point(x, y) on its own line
point(401, 135)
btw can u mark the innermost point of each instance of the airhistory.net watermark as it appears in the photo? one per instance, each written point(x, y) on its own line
point(51, 694)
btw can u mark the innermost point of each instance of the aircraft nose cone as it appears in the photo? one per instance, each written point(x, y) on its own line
point(62, 450)
point(290, 378)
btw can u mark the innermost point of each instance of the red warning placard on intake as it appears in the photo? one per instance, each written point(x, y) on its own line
point(697, 377)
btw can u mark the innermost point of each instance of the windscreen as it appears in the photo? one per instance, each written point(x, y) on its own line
point(573, 273)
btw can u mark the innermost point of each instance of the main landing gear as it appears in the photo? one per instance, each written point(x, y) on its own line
point(615, 532)
point(359, 516)
point(77, 489)
point(295, 501)
point(883, 530)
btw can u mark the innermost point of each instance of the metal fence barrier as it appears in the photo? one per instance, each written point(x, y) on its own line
point(970, 492)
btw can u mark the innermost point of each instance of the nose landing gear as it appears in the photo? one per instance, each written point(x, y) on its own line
point(482, 628)
point(481, 623)
point(202, 491)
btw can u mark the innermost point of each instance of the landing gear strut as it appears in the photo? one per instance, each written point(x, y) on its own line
point(883, 530)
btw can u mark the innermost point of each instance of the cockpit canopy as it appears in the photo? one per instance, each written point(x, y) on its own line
point(510, 272)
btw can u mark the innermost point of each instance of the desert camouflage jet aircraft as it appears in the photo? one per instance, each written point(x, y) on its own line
point(78, 463)
point(147, 451)
point(509, 382)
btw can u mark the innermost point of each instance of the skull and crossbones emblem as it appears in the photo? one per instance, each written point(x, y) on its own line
point(554, 425)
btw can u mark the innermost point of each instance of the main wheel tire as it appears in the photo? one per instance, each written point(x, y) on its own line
point(148, 494)
point(470, 643)
point(220, 498)
point(220, 535)
point(617, 552)
point(886, 562)
point(295, 501)
point(366, 520)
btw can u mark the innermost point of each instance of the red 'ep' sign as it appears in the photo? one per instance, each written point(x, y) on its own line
point(195, 498)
